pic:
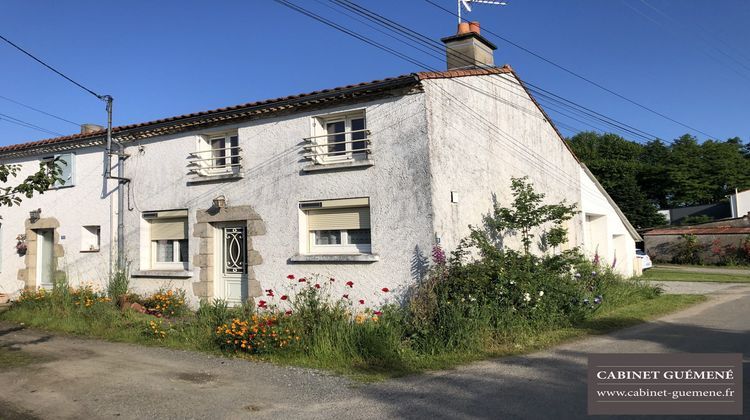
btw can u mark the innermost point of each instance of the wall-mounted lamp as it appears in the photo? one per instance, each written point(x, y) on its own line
point(220, 202)
point(34, 215)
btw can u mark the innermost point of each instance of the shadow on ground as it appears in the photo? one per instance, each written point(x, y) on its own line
point(545, 385)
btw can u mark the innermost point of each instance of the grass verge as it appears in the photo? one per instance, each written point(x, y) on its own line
point(106, 322)
point(665, 274)
point(609, 319)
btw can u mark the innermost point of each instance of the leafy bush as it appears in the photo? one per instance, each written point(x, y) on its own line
point(687, 250)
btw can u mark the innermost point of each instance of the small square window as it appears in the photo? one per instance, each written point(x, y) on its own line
point(90, 238)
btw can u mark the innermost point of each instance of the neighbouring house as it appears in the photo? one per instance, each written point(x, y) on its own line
point(722, 241)
point(738, 205)
point(356, 183)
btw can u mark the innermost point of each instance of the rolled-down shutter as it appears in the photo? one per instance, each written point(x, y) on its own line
point(169, 225)
point(339, 218)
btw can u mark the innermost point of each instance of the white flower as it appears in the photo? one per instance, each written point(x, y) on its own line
point(541, 293)
point(512, 282)
point(526, 297)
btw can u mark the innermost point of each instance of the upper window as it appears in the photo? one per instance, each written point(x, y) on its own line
point(339, 137)
point(218, 154)
point(337, 226)
point(66, 164)
point(168, 239)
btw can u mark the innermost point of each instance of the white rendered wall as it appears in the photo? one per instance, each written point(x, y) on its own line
point(606, 235)
point(479, 141)
point(74, 207)
point(273, 184)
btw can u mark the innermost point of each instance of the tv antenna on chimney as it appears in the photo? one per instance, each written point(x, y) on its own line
point(467, 4)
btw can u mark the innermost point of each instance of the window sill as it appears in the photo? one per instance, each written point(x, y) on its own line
point(335, 258)
point(351, 164)
point(167, 274)
point(214, 178)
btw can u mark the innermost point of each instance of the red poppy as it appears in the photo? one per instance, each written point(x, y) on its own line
point(290, 277)
point(385, 289)
point(332, 279)
point(262, 304)
point(346, 296)
point(317, 286)
point(288, 312)
point(350, 283)
point(302, 280)
point(378, 313)
point(269, 292)
point(361, 301)
point(284, 297)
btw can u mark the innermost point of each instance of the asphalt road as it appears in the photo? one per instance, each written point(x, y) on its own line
point(93, 379)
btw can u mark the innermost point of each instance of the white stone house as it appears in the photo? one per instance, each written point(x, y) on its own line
point(355, 183)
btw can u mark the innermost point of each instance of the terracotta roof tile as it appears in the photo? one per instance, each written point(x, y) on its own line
point(391, 82)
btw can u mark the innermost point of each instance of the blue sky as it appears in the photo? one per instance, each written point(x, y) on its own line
point(688, 59)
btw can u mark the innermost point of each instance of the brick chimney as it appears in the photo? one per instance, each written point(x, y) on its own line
point(468, 48)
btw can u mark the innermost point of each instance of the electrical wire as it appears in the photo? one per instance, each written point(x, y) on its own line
point(586, 79)
point(14, 45)
point(26, 124)
point(39, 110)
point(434, 45)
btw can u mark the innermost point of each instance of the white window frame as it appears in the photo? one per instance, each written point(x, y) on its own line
point(204, 156)
point(149, 245)
point(175, 264)
point(307, 236)
point(320, 136)
point(343, 248)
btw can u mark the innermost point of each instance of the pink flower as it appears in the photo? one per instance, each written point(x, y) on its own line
point(378, 313)
point(350, 283)
point(361, 301)
point(262, 304)
point(385, 289)
point(317, 286)
point(269, 292)
point(290, 277)
point(284, 297)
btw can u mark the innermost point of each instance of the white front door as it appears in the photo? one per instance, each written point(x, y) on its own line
point(44, 262)
point(232, 264)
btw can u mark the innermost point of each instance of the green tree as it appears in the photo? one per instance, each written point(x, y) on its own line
point(38, 182)
point(619, 166)
point(526, 215)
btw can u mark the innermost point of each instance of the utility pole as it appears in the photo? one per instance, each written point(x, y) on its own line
point(121, 181)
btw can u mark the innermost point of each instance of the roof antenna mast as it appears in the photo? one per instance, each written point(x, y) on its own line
point(467, 4)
